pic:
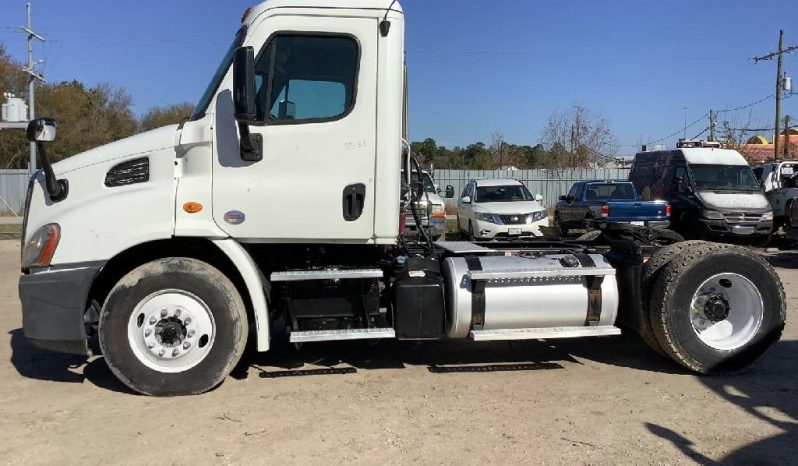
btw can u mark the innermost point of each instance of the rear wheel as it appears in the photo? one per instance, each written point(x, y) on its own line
point(717, 312)
point(651, 272)
point(174, 326)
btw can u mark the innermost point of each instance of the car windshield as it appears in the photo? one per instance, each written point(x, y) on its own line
point(724, 177)
point(216, 80)
point(610, 192)
point(503, 194)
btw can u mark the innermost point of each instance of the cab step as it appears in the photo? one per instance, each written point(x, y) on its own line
point(328, 274)
point(341, 335)
point(545, 333)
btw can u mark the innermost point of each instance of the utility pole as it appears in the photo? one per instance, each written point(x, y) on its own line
point(787, 136)
point(712, 124)
point(779, 78)
point(34, 76)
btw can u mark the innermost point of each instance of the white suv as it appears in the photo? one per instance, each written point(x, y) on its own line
point(499, 208)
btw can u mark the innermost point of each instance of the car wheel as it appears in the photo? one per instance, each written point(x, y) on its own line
point(718, 311)
point(174, 326)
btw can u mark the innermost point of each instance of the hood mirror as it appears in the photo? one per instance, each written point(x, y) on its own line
point(42, 130)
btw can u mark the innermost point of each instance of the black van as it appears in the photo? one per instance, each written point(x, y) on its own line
point(712, 191)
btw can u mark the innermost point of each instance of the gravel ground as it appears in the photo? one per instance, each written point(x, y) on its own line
point(605, 401)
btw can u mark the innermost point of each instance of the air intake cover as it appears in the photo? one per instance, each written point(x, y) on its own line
point(130, 172)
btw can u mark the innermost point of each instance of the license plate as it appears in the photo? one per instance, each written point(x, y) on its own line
point(740, 230)
point(514, 231)
point(786, 171)
point(638, 224)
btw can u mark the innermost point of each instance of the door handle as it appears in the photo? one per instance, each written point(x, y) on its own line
point(354, 199)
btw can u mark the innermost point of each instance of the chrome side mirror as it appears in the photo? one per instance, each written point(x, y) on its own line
point(42, 130)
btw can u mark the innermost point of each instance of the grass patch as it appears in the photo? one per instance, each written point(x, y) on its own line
point(10, 231)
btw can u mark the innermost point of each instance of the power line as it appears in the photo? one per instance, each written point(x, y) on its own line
point(742, 107)
point(679, 130)
point(701, 133)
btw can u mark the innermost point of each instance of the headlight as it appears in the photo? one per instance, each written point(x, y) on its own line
point(767, 216)
point(438, 211)
point(40, 248)
point(537, 216)
point(485, 217)
point(712, 215)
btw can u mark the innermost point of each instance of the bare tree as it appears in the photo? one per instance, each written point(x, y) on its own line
point(578, 137)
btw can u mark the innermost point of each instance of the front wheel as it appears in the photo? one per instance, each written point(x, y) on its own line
point(717, 312)
point(174, 326)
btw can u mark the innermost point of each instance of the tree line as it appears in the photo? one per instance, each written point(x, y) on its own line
point(89, 117)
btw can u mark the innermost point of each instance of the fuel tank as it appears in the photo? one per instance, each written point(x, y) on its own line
point(511, 292)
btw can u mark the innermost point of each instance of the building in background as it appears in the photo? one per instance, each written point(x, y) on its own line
point(759, 149)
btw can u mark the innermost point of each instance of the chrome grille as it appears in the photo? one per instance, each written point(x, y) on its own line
point(513, 219)
point(742, 217)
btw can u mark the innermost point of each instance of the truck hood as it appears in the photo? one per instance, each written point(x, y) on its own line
point(734, 201)
point(150, 141)
point(523, 207)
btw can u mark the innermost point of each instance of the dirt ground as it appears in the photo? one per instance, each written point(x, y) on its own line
point(603, 401)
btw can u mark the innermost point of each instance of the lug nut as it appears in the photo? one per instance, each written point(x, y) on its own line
point(161, 353)
point(187, 321)
point(163, 313)
point(177, 313)
point(191, 333)
point(150, 346)
point(186, 345)
point(175, 352)
point(147, 332)
point(153, 320)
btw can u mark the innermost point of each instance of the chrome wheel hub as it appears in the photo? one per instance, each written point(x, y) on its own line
point(171, 331)
point(726, 311)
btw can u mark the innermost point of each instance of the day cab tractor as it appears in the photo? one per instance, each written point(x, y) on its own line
point(279, 201)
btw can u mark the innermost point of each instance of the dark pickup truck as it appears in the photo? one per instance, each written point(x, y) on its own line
point(592, 204)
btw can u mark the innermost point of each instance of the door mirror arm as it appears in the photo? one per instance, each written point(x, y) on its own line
point(246, 111)
point(40, 131)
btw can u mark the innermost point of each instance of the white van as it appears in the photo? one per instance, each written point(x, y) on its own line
point(712, 191)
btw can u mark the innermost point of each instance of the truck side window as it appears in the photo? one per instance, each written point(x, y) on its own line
point(575, 191)
point(680, 174)
point(307, 78)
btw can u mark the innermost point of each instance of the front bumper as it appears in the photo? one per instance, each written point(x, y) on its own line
point(435, 227)
point(725, 228)
point(53, 306)
point(487, 230)
point(655, 224)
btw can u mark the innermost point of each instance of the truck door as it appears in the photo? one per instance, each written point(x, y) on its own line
point(316, 96)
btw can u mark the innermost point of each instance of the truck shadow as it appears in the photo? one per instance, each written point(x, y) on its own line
point(784, 259)
point(769, 393)
point(446, 357)
point(37, 364)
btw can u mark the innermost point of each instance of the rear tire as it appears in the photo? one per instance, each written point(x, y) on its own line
point(718, 311)
point(174, 326)
point(651, 270)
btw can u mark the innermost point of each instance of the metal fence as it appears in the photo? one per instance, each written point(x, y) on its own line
point(550, 183)
point(13, 186)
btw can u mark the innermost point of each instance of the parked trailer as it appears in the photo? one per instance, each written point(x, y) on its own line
point(181, 244)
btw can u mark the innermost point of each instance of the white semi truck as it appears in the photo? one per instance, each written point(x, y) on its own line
point(279, 201)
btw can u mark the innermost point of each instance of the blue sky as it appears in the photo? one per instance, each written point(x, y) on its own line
point(476, 67)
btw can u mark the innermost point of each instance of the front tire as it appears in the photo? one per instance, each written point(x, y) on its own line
point(174, 326)
point(717, 312)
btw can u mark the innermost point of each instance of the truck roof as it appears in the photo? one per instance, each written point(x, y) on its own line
point(700, 155)
point(337, 4)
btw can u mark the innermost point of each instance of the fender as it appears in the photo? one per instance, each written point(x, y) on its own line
point(254, 281)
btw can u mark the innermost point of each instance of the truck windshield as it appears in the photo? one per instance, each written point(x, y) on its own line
point(429, 186)
point(503, 194)
point(724, 177)
point(216, 80)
